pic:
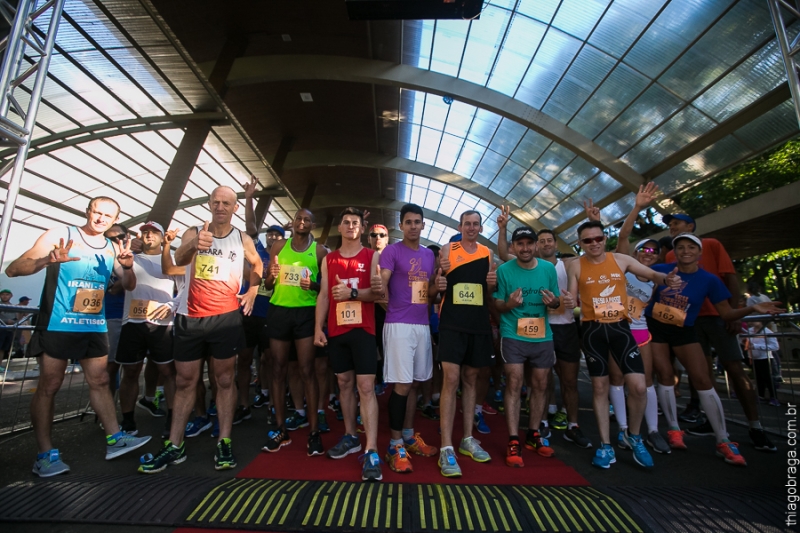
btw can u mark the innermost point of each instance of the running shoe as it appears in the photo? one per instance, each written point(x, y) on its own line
point(296, 422)
point(430, 413)
point(124, 444)
point(623, 440)
point(730, 452)
point(397, 459)
point(480, 424)
point(612, 416)
point(576, 436)
point(435, 403)
point(701, 430)
point(242, 413)
point(448, 463)
point(544, 430)
point(691, 414)
point(498, 396)
point(675, 439)
point(260, 400)
point(535, 441)
point(212, 408)
point(150, 407)
point(197, 426)
point(417, 446)
point(346, 445)
point(159, 399)
point(761, 441)
point(488, 409)
point(129, 427)
point(380, 389)
point(322, 422)
point(333, 404)
point(559, 420)
point(604, 457)
point(471, 447)
point(774, 402)
point(657, 442)
point(215, 428)
point(169, 455)
point(224, 459)
point(371, 469)
point(50, 465)
point(514, 454)
point(640, 453)
point(276, 440)
point(315, 444)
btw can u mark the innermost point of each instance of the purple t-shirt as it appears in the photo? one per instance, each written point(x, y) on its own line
point(407, 266)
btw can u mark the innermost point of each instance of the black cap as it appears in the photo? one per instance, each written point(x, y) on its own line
point(523, 232)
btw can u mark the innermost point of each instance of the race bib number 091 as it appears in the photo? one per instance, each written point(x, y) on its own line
point(348, 313)
point(468, 294)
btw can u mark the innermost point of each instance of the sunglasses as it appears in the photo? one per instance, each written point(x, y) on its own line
point(590, 240)
point(117, 237)
point(648, 250)
point(374, 235)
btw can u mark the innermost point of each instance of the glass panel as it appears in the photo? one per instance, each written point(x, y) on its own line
point(561, 213)
point(460, 118)
point(622, 24)
point(435, 113)
point(448, 151)
point(507, 178)
point(484, 127)
point(522, 40)
point(599, 187)
point(417, 42)
point(488, 168)
point(485, 37)
point(542, 10)
point(448, 43)
point(552, 161)
point(574, 175)
point(715, 157)
point(769, 128)
point(618, 210)
point(578, 17)
point(530, 148)
point(589, 69)
point(507, 137)
point(428, 145)
point(545, 200)
point(528, 186)
point(552, 59)
point(469, 158)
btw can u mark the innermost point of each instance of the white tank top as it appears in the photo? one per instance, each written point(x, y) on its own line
point(568, 316)
point(642, 290)
point(153, 289)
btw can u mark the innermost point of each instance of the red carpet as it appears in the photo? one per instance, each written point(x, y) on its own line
point(291, 462)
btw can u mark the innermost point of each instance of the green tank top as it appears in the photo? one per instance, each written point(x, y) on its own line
point(287, 291)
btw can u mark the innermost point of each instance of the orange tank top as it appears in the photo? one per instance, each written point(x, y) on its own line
point(602, 291)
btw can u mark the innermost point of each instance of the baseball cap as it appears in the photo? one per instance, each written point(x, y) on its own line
point(679, 216)
point(4, 291)
point(645, 241)
point(24, 299)
point(455, 238)
point(691, 236)
point(152, 225)
point(277, 229)
point(377, 227)
point(523, 232)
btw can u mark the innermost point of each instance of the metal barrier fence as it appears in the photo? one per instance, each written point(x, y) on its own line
point(20, 377)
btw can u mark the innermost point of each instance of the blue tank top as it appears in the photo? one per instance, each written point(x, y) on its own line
point(72, 298)
point(261, 304)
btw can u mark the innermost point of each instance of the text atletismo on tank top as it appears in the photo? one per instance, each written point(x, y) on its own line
point(214, 277)
point(463, 305)
point(639, 293)
point(73, 293)
point(294, 267)
point(561, 315)
point(602, 291)
point(355, 272)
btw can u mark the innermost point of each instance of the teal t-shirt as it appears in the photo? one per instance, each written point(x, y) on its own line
point(510, 277)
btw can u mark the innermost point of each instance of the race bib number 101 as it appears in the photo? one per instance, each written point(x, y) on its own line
point(348, 313)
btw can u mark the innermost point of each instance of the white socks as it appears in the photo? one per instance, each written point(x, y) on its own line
point(666, 395)
point(617, 397)
point(709, 399)
point(651, 410)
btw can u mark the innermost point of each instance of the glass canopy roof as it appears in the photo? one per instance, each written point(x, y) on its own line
point(641, 79)
point(98, 77)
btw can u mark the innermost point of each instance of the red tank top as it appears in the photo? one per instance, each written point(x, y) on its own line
point(356, 273)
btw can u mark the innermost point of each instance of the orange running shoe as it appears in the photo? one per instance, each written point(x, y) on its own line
point(398, 460)
point(417, 446)
point(514, 454)
point(675, 439)
point(730, 452)
point(534, 441)
point(488, 409)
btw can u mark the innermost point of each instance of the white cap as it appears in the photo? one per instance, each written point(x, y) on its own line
point(645, 241)
point(691, 236)
point(152, 225)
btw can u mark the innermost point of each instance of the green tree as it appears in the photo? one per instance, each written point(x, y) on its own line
point(777, 272)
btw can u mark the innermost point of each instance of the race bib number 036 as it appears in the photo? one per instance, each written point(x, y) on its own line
point(532, 328)
point(419, 292)
point(212, 268)
point(669, 315)
point(348, 313)
point(89, 301)
point(468, 294)
point(291, 275)
point(609, 312)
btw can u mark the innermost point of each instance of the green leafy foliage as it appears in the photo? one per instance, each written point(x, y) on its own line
point(777, 273)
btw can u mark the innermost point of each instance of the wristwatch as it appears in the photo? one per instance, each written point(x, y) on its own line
point(353, 294)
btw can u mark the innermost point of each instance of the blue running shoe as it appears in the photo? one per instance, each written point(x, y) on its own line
point(296, 422)
point(480, 424)
point(212, 409)
point(215, 429)
point(604, 457)
point(640, 453)
point(197, 426)
point(498, 396)
point(623, 440)
point(322, 422)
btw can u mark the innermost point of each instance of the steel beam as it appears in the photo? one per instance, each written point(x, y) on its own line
point(265, 69)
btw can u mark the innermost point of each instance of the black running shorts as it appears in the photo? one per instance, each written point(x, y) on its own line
point(567, 340)
point(220, 336)
point(471, 349)
point(255, 331)
point(601, 339)
point(354, 350)
point(64, 345)
point(291, 323)
point(140, 340)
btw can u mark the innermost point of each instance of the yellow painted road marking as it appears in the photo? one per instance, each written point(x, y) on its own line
point(312, 504)
point(445, 511)
point(466, 507)
point(530, 506)
point(377, 507)
point(621, 510)
point(291, 502)
point(581, 499)
point(389, 507)
point(365, 510)
point(202, 503)
point(601, 513)
point(488, 508)
point(421, 502)
point(210, 507)
point(434, 518)
point(558, 497)
point(502, 514)
point(243, 488)
point(552, 506)
point(399, 507)
point(267, 506)
point(355, 505)
point(511, 512)
point(456, 514)
point(344, 505)
point(258, 489)
point(568, 495)
point(335, 501)
point(321, 509)
point(475, 506)
point(280, 502)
